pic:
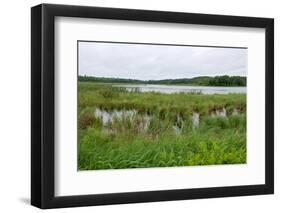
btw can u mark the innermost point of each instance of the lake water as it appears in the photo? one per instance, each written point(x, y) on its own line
point(108, 117)
point(175, 89)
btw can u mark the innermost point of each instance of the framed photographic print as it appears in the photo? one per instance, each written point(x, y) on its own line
point(138, 106)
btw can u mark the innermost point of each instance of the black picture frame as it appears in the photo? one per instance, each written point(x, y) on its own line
point(43, 102)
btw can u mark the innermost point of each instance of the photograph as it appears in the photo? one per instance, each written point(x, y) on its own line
point(160, 105)
point(136, 105)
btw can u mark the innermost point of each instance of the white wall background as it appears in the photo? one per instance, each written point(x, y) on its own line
point(15, 105)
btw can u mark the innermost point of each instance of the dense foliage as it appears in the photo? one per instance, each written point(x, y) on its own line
point(224, 80)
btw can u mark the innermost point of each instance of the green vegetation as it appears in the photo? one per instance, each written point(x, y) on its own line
point(130, 141)
point(224, 80)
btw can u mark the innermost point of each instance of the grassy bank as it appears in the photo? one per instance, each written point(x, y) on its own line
point(126, 143)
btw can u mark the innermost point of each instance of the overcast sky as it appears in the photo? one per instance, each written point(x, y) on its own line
point(154, 62)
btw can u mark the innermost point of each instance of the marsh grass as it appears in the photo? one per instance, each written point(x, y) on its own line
point(127, 143)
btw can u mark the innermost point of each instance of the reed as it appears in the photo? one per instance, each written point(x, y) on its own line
point(133, 142)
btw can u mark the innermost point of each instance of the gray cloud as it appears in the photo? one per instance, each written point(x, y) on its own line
point(153, 62)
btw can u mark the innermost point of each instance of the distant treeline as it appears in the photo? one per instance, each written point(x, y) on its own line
point(224, 80)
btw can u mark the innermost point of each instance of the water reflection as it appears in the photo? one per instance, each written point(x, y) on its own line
point(176, 89)
point(108, 117)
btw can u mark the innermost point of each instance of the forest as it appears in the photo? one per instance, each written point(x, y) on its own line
point(225, 80)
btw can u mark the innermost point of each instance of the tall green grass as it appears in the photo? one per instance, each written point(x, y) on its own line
point(124, 143)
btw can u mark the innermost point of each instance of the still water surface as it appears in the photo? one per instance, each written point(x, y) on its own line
point(175, 89)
